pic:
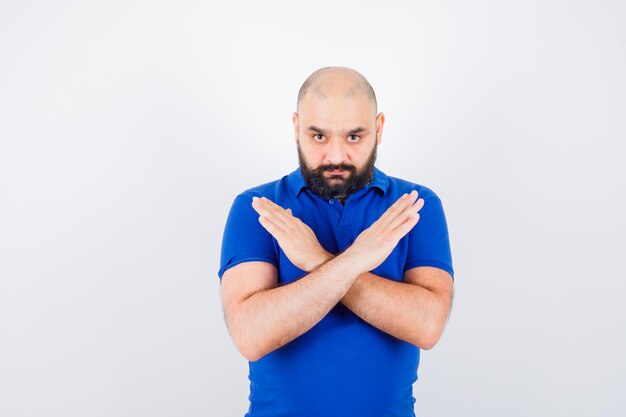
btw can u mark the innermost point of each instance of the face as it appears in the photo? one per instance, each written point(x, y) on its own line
point(337, 181)
point(337, 139)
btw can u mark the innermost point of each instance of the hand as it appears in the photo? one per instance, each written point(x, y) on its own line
point(295, 238)
point(375, 243)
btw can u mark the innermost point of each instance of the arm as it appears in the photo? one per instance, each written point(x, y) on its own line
point(415, 310)
point(262, 316)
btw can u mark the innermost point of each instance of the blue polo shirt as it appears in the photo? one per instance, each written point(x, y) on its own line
point(343, 366)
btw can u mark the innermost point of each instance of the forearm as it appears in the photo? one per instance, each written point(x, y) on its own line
point(271, 318)
point(407, 311)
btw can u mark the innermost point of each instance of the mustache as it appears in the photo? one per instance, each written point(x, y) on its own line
point(344, 167)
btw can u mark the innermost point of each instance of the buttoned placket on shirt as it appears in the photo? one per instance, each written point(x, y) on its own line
point(342, 215)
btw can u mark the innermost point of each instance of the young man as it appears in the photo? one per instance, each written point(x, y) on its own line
point(334, 276)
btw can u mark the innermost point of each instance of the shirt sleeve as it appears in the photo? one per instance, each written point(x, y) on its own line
point(245, 239)
point(429, 243)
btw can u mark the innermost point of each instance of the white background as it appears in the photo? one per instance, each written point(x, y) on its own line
point(128, 127)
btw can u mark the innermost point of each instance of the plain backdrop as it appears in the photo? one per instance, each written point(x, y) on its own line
point(128, 127)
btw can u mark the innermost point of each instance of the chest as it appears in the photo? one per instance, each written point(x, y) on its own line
point(336, 227)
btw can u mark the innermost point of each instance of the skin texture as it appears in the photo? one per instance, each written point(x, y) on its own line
point(336, 103)
point(263, 316)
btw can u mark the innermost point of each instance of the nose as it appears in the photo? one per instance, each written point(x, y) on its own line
point(336, 152)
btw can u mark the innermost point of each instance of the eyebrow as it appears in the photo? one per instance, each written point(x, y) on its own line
point(354, 131)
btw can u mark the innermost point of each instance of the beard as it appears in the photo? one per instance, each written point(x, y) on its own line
point(338, 189)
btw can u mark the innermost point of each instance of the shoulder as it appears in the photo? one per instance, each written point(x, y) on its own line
point(398, 186)
point(273, 190)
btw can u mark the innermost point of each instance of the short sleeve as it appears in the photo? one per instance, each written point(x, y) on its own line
point(429, 243)
point(245, 239)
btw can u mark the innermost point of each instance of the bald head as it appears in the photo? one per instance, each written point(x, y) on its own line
point(337, 81)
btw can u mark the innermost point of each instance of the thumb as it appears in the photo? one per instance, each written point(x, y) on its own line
point(289, 210)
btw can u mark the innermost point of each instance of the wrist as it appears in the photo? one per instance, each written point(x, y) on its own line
point(320, 260)
point(353, 259)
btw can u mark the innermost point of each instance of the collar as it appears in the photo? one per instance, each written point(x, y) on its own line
point(296, 181)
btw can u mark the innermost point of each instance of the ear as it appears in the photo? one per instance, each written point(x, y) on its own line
point(380, 121)
point(296, 126)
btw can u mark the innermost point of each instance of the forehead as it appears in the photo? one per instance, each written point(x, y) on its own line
point(336, 110)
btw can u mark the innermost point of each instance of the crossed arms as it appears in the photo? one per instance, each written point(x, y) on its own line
point(263, 316)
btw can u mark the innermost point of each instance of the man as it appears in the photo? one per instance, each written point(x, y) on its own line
point(334, 276)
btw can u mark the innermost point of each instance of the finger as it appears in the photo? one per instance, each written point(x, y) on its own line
point(269, 212)
point(398, 208)
point(404, 215)
point(406, 227)
point(389, 212)
point(419, 204)
point(271, 203)
point(280, 213)
point(260, 207)
point(271, 227)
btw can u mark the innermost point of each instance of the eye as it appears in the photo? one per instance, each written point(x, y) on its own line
point(356, 138)
point(316, 136)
